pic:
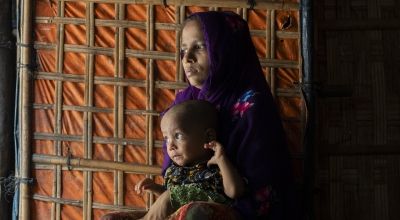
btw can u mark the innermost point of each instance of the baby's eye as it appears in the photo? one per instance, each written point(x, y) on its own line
point(178, 136)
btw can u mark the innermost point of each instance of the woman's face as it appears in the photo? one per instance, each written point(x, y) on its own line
point(194, 54)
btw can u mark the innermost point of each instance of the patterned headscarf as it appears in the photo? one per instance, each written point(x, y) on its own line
point(250, 127)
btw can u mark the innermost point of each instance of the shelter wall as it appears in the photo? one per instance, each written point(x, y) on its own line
point(105, 70)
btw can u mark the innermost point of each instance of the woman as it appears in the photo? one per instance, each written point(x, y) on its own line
point(222, 67)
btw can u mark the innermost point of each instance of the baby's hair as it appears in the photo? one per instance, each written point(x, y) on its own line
point(201, 112)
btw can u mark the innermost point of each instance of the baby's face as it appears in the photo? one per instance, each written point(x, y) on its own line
point(185, 141)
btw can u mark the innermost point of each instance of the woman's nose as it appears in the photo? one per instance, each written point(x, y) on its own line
point(189, 56)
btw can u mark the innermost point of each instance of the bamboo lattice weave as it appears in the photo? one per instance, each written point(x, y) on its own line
point(106, 69)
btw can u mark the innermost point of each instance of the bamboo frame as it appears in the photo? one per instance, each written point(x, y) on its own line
point(208, 3)
point(120, 53)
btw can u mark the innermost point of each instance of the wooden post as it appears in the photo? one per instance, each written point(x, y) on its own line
point(25, 108)
point(7, 83)
point(307, 32)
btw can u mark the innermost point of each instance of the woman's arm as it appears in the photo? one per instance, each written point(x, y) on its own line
point(233, 183)
point(161, 209)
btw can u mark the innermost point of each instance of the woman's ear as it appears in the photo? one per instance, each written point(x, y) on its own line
point(211, 134)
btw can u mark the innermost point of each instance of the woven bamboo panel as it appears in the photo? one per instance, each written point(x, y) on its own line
point(358, 142)
point(105, 72)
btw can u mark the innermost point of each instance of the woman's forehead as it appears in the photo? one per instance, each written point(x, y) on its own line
point(192, 23)
point(192, 31)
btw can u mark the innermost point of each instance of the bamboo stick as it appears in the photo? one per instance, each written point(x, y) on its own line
point(245, 14)
point(150, 54)
point(274, 63)
point(180, 19)
point(38, 166)
point(177, 43)
point(268, 44)
point(272, 52)
point(239, 11)
point(79, 203)
point(150, 91)
point(98, 164)
point(110, 81)
point(116, 108)
point(120, 69)
point(88, 116)
point(25, 110)
point(98, 140)
point(58, 111)
point(151, 85)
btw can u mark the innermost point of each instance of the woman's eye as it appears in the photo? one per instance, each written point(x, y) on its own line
point(200, 46)
point(183, 52)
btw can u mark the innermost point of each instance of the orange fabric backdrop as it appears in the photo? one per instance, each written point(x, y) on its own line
point(62, 81)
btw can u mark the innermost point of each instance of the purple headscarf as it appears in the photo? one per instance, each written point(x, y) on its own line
point(250, 128)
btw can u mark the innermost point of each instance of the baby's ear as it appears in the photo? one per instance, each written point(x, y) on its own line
point(211, 134)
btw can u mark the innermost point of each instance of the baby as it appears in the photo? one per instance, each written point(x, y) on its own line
point(200, 170)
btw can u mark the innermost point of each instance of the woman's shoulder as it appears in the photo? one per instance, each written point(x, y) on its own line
point(188, 93)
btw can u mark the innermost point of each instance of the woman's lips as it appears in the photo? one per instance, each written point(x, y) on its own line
point(190, 71)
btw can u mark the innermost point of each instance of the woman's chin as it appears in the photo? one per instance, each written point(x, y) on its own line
point(196, 84)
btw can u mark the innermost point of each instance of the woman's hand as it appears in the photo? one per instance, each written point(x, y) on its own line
point(148, 185)
point(219, 152)
point(161, 208)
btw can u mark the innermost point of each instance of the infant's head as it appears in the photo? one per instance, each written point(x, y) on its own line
point(186, 127)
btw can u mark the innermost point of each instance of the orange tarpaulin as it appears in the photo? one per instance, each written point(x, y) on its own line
point(105, 71)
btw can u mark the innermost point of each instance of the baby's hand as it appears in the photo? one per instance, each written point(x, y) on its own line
point(218, 152)
point(145, 185)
